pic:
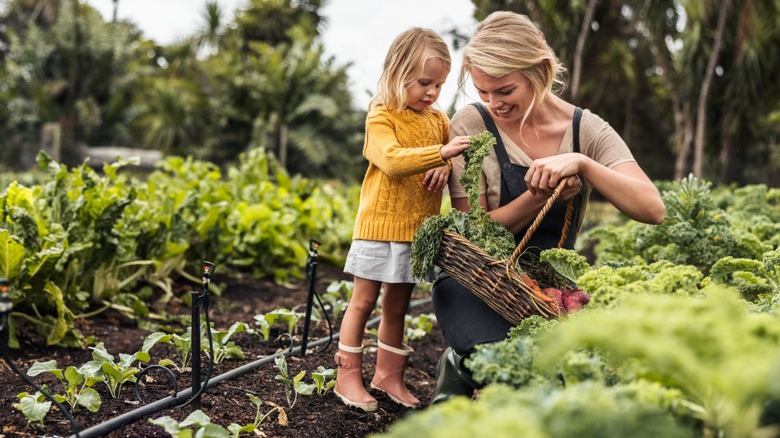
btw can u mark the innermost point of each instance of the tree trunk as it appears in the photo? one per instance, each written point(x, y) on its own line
point(683, 134)
point(577, 62)
point(701, 112)
point(283, 145)
point(727, 148)
point(731, 117)
point(683, 126)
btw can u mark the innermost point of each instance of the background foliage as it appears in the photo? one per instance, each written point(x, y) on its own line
point(687, 94)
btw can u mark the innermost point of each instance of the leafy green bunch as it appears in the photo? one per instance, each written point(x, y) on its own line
point(476, 225)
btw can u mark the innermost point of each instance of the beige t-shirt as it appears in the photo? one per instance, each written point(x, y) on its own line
point(597, 140)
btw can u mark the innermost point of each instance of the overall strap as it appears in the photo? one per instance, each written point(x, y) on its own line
point(576, 128)
point(577, 201)
point(508, 173)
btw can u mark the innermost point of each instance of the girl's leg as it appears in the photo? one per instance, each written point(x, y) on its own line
point(364, 296)
point(395, 304)
point(349, 380)
point(392, 354)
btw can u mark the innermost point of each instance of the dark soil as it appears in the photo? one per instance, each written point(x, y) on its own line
point(242, 297)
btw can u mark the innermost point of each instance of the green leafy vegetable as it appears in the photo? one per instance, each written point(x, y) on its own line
point(476, 225)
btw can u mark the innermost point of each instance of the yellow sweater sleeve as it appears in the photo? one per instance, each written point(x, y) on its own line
point(382, 147)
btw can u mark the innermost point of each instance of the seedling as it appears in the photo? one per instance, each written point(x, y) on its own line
point(336, 298)
point(197, 419)
point(77, 383)
point(417, 327)
point(224, 348)
point(259, 417)
point(34, 406)
point(275, 317)
point(117, 373)
point(324, 379)
point(292, 386)
point(181, 344)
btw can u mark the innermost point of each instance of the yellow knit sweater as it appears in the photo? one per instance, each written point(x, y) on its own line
point(399, 147)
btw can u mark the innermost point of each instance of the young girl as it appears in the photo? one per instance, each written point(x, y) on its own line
point(408, 151)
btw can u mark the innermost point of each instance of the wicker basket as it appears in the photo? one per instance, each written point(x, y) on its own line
point(502, 288)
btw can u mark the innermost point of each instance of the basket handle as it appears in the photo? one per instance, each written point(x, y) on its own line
point(539, 217)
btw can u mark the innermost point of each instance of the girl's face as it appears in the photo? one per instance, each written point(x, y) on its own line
point(424, 91)
point(506, 97)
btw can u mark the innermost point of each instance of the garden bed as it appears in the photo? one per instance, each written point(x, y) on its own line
point(226, 402)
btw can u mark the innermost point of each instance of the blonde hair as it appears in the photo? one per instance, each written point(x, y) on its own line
point(506, 42)
point(404, 64)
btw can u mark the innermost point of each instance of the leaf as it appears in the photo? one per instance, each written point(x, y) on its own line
point(212, 431)
point(49, 366)
point(566, 262)
point(153, 339)
point(169, 424)
point(282, 416)
point(100, 354)
point(74, 376)
point(61, 326)
point(304, 388)
point(197, 418)
point(33, 409)
point(11, 255)
point(90, 399)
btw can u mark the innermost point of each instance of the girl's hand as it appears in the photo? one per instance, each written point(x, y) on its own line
point(545, 174)
point(455, 147)
point(436, 179)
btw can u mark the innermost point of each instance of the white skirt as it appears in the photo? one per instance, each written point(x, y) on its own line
point(388, 262)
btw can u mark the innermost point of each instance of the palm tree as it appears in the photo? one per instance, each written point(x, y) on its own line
point(749, 89)
point(290, 89)
point(210, 33)
point(168, 114)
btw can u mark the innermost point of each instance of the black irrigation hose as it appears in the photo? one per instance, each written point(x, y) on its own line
point(152, 367)
point(172, 401)
point(5, 326)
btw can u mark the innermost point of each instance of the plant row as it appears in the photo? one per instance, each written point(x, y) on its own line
point(75, 385)
point(80, 241)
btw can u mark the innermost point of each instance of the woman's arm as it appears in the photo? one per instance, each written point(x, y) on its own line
point(626, 185)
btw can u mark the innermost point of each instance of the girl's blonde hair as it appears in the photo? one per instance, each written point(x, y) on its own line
point(404, 64)
point(507, 42)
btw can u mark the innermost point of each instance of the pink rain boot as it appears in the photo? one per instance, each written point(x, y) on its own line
point(349, 379)
point(389, 375)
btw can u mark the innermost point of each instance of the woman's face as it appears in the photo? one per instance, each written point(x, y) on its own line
point(425, 90)
point(506, 97)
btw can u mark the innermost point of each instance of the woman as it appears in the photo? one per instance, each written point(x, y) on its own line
point(541, 139)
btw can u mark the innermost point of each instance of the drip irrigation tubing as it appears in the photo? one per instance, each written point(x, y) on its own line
point(106, 427)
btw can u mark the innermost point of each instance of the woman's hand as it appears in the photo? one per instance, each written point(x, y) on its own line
point(545, 174)
point(571, 189)
point(436, 179)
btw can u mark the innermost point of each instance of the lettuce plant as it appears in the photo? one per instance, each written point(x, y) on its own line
point(77, 382)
